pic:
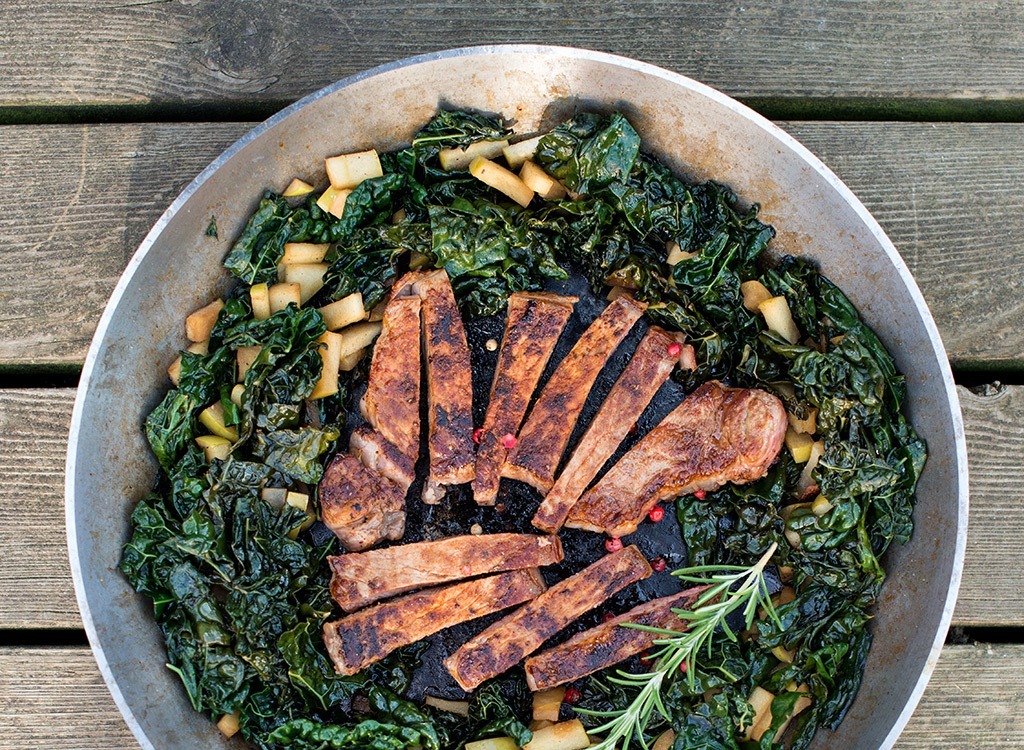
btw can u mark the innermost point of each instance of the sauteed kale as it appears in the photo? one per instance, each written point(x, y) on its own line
point(239, 584)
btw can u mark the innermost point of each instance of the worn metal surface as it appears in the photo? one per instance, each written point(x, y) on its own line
point(698, 131)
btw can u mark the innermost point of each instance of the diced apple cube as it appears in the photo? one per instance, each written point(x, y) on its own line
point(275, 497)
point(344, 312)
point(259, 295)
point(214, 446)
point(779, 318)
point(337, 208)
point(548, 703)
point(297, 188)
point(348, 170)
point(754, 293)
point(304, 252)
point(228, 724)
point(453, 707)
point(453, 159)
point(820, 506)
point(494, 743)
point(808, 424)
point(214, 419)
point(199, 324)
point(284, 294)
point(327, 198)
point(499, 178)
point(540, 182)
point(517, 153)
point(799, 444)
point(761, 701)
point(676, 253)
point(237, 391)
point(244, 358)
point(349, 361)
point(297, 500)
point(569, 735)
point(330, 354)
point(359, 336)
point(309, 277)
point(174, 371)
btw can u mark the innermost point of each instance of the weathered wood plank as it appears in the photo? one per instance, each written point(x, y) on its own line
point(55, 697)
point(240, 52)
point(948, 194)
point(33, 558)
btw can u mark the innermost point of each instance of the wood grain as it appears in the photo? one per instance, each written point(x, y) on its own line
point(234, 53)
point(55, 697)
point(948, 195)
point(37, 589)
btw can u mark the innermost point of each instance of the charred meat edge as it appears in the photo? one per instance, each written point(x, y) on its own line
point(544, 436)
point(608, 643)
point(358, 640)
point(717, 435)
point(362, 578)
point(359, 505)
point(533, 325)
point(648, 368)
point(505, 643)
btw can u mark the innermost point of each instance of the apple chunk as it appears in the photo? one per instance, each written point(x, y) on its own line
point(199, 324)
point(303, 252)
point(499, 178)
point(344, 312)
point(453, 159)
point(309, 277)
point(518, 153)
point(348, 170)
point(284, 294)
point(330, 354)
point(546, 186)
point(297, 188)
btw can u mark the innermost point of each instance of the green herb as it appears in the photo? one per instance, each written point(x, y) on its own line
point(744, 590)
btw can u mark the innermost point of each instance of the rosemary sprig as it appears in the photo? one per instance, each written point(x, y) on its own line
point(729, 588)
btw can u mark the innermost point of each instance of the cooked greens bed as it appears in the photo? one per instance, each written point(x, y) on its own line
point(239, 584)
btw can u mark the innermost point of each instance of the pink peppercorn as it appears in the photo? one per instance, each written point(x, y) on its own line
point(613, 545)
point(656, 513)
point(509, 441)
point(478, 435)
point(674, 349)
point(572, 696)
point(700, 494)
point(659, 564)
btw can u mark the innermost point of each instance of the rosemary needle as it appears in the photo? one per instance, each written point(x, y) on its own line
point(728, 589)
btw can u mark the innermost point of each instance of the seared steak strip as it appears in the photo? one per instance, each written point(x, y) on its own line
point(449, 386)
point(648, 369)
point(717, 435)
point(543, 438)
point(377, 454)
point(535, 321)
point(360, 579)
point(608, 643)
point(391, 404)
point(357, 640)
point(504, 644)
point(359, 505)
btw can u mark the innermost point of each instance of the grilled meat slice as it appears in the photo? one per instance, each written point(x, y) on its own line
point(608, 643)
point(377, 454)
point(359, 505)
point(504, 644)
point(535, 321)
point(717, 435)
point(391, 404)
point(449, 385)
point(543, 437)
point(360, 579)
point(648, 369)
point(357, 640)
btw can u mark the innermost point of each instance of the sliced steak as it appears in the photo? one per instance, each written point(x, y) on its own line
point(649, 367)
point(534, 322)
point(357, 640)
point(717, 435)
point(363, 578)
point(543, 437)
point(505, 643)
point(385, 458)
point(391, 404)
point(608, 643)
point(359, 505)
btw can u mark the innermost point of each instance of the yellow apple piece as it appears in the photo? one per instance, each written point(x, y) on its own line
point(348, 170)
point(494, 743)
point(754, 293)
point(808, 424)
point(820, 506)
point(244, 358)
point(214, 419)
point(499, 178)
point(453, 159)
point(214, 446)
point(344, 312)
point(349, 361)
point(330, 354)
point(199, 324)
point(275, 497)
point(304, 252)
point(453, 707)
point(359, 336)
point(297, 500)
point(761, 701)
point(517, 153)
point(326, 198)
point(297, 188)
point(228, 724)
point(806, 480)
point(802, 704)
point(281, 295)
point(569, 735)
point(259, 295)
point(337, 208)
point(676, 253)
point(540, 182)
point(799, 444)
point(777, 315)
point(547, 704)
point(309, 277)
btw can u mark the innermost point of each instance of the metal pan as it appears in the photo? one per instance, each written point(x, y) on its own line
point(699, 132)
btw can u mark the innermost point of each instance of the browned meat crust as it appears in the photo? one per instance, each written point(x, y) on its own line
point(360, 579)
point(647, 370)
point(359, 639)
point(608, 643)
point(449, 386)
point(391, 404)
point(359, 505)
point(543, 438)
point(535, 321)
point(501, 646)
point(717, 435)
point(378, 454)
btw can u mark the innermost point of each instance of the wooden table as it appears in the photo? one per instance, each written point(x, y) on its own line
point(109, 109)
